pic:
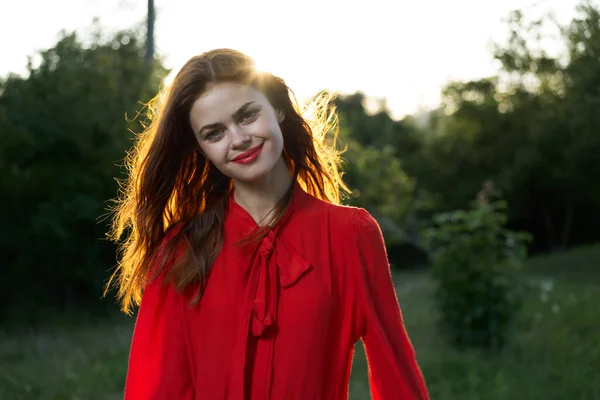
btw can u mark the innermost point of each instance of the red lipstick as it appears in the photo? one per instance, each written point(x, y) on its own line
point(248, 156)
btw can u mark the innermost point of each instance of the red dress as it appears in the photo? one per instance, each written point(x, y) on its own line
point(279, 319)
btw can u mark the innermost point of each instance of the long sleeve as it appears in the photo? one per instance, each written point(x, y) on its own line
point(159, 367)
point(393, 369)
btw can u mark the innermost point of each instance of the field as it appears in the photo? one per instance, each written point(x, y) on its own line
point(555, 354)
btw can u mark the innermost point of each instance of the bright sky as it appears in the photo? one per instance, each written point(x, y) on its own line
point(404, 51)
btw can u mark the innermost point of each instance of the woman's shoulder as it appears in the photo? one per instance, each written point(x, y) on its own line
point(347, 218)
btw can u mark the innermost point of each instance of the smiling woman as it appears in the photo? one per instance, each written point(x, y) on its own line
point(254, 282)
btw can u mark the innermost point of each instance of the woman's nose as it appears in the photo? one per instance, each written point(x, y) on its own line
point(239, 137)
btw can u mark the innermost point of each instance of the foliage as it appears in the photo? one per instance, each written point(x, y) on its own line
point(532, 128)
point(374, 169)
point(63, 129)
point(475, 262)
point(379, 184)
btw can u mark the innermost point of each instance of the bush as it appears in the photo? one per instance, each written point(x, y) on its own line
point(475, 262)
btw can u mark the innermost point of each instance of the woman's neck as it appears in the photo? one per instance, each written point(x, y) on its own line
point(260, 198)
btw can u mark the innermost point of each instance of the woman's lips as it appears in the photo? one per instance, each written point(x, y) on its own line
point(248, 156)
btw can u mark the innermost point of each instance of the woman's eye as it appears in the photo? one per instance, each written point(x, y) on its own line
point(250, 115)
point(214, 134)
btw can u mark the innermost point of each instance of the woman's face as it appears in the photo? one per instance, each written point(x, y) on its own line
point(238, 130)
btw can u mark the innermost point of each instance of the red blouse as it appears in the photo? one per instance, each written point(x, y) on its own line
point(279, 319)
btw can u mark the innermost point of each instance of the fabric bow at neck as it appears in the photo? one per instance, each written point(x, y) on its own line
point(275, 267)
point(273, 264)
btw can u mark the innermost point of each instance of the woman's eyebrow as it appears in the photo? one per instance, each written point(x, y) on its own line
point(235, 115)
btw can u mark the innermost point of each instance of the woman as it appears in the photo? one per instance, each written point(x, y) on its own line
point(256, 284)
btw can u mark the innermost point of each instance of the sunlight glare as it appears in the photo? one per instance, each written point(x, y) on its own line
point(266, 61)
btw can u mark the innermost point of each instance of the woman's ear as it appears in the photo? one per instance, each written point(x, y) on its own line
point(280, 115)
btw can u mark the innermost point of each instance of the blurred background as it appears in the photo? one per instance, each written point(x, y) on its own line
point(473, 136)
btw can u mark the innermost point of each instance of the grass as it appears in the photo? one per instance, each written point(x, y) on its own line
point(66, 362)
point(555, 353)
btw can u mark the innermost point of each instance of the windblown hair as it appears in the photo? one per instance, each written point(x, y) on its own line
point(173, 191)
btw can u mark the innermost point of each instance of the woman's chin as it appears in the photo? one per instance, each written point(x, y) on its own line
point(252, 173)
point(250, 177)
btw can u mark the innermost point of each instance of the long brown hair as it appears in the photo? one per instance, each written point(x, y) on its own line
point(171, 184)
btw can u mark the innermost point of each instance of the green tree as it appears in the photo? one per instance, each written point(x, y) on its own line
point(374, 170)
point(533, 129)
point(63, 130)
point(556, 166)
point(379, 184)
